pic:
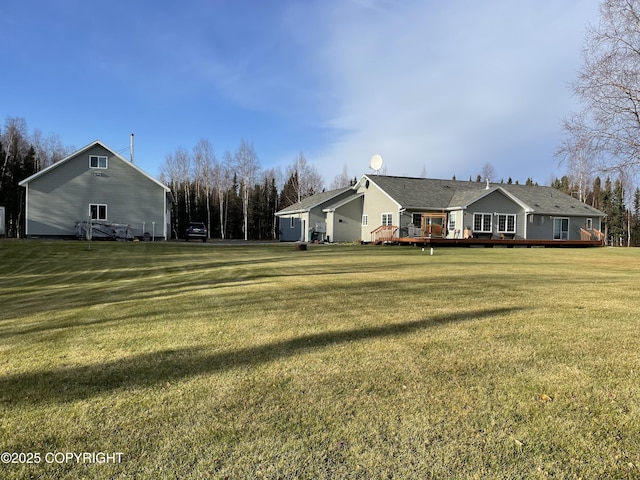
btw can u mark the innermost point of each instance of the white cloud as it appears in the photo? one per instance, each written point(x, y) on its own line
point(449, 87)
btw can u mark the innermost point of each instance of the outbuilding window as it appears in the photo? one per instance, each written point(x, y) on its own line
point(97, 161)
point(98, 212)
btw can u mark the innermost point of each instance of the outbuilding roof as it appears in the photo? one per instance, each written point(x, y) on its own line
point(313, 201)
point(84, 149)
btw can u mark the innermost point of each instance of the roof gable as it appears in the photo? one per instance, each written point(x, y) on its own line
point(469, 197)
point(418, 193)
point(82, 151)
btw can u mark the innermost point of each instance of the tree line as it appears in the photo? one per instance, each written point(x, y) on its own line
point(616, 198)
point(233, 195)
point(23, 153)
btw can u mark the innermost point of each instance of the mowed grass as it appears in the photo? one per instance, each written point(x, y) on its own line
point(259, 361)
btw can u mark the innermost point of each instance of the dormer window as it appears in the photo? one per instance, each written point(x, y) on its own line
point(97, 161)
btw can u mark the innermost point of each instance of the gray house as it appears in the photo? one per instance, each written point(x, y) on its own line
point(457, 209)
point(95, 182)
point(405, 207)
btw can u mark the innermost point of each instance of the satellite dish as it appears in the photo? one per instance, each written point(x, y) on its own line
point(376, 163)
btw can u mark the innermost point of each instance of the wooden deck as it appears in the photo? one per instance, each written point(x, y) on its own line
point(492, 242)
point(387, 234)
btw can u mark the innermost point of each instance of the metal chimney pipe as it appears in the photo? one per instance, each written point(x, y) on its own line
point(131, 148)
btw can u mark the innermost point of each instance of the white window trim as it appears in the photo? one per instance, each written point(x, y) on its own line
point(506, 222)
point(292, 223)
point(365, 220)
point(98, 205)
point(106, 161)
point(589, 223)
point(483, 228)
point(389, 216)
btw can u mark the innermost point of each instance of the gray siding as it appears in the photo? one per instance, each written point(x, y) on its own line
point(61, 197)
point(290, 232)
point(375, 203)
point(540, 227)
point(316, 215)
point(496, 202)
point(347, 222)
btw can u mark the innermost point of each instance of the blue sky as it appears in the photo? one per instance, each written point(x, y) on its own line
point(438, 86)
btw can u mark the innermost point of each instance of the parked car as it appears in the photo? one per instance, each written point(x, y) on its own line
point(196, 230)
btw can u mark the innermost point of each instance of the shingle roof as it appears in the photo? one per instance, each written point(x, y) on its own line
point(410, 192)
point(308, 203)
point(435, 194)
point(549, 200)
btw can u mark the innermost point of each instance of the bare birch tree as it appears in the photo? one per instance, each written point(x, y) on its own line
point(183, 168)
point(14, 138)
point(577, 151)
point(608, 87)
point(305, 179)
point(488, 173)
point(205, 165)
point(247, 167)
point(176, 173)
point(342, 180)
point(48, 150)
point(222, 182)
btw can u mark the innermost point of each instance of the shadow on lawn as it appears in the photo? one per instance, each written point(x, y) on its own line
point(77, 383)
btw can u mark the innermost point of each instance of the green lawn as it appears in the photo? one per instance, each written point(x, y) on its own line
point(259, 361)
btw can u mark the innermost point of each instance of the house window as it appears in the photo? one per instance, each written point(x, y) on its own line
point(416, 219)
point(292, 222)
point(589, 223)
point(482, 222)
point(452, 222)
point(387, 219)
point(561, 229)
point(506, 223)
point(98, 212)
point(97, 161)
point(365, 220)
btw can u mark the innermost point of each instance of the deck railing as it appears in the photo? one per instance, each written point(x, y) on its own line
point(599, 234)
point(594, 234)
point(433, 230)
point(384, 233)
